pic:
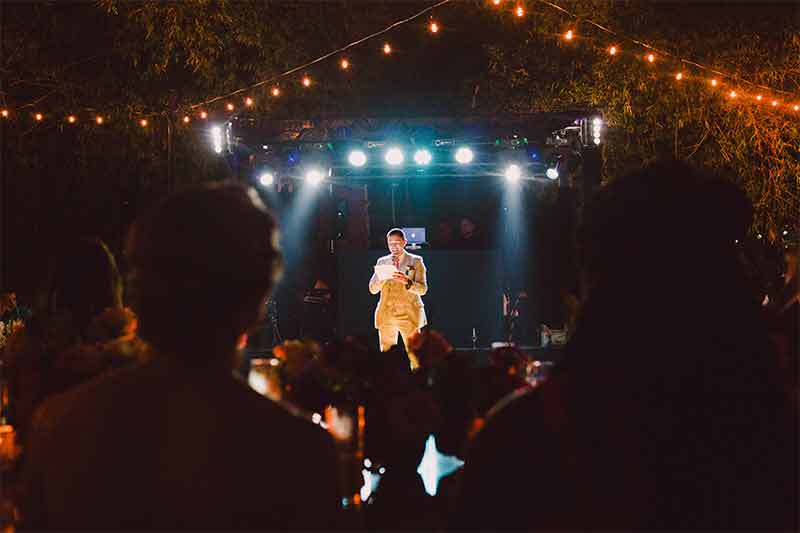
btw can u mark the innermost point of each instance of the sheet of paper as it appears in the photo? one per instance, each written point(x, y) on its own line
point(385, 272)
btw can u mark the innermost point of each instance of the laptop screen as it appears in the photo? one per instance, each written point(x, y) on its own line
point(415, 235)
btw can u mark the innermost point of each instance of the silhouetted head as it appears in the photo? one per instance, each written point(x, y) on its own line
point(467, 227)
point(666, 222)
point(85, 282)
point(204, 261)
point(429, 347)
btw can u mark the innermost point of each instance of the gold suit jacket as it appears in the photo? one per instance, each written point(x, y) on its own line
point(397, 301)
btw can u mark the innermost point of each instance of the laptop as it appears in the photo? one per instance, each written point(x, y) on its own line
point(415, 237)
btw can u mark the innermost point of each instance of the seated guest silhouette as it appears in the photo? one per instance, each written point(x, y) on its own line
point(177, 442)
point(680, 425)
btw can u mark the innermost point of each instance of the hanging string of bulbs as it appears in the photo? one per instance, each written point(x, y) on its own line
point(715, 79)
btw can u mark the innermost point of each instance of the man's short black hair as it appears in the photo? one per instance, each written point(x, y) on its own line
point(397, 232)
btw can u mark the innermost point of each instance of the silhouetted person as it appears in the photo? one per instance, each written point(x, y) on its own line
point(179, 442)
point(58, 347)
point(400, 501)
point(666, 412)
point(783, 315)
point(445, 236)
point(452, 385)
point(470, 235)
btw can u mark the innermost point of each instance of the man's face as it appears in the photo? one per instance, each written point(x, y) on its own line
point(396, 244)
point(467, 228)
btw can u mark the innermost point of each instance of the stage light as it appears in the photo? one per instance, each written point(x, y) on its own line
point(71, 119)
point(513, 173)
point(394, 156)
point(651, 57)
point(774, 103)
point(387, 48)
point(216, 139)
point(569, 35)
point(357, 158)
point(345, 64)
point(314, 176)
point(248, 101)
point(679, 76)
point(38, 117)
point(143, 123)
point(306, 81)
point(203, 115)
point(520, 11)
point(99, 120)
point(732, 94)
point(422, 157)
point(796, 107)
point(714, 82)
point(434, 27)
point(496, 2)
point(552, 173)
point(276, 91)
point(4, 113)
point(613, 50)
point(464, 155)
point(186, 119)
point(266, 179)
point(229, 107)
point(597, 128)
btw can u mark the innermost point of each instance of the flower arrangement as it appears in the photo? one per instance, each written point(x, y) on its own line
point(9, 328)
point(314, 377)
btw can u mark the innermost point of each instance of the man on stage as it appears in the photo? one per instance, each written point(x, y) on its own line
point(400, 308)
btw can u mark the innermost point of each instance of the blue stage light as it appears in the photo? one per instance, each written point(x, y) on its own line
point(422, 157)
point(464, 155)
point(266, 179)
point(394, 156)
point(357, 158)
point(314, 176)
point(513, 173)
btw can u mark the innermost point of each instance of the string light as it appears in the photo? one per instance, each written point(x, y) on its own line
point(434, 27)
